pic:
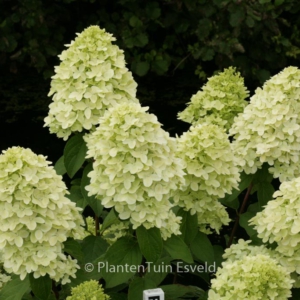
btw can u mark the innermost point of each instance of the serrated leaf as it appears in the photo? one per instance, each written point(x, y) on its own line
point(176, 291)
point(244, 219)
point(188, 226)
point(265, 192)
point(93, 247)
point(41, 287)
point(73, 248)
point(125, 251)
point(76, 196)
point(202, 248)
point(93, 202)
point(158, 270)
point(60, 166)
point(150, 243)
point(15, 289)
point(74, 154)
point(178, 249)
point(110, 219)
point(137, 286)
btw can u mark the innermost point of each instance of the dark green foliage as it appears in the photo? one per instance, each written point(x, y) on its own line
point(158, 36)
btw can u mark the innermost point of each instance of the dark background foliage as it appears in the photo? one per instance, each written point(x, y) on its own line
point(171, 46)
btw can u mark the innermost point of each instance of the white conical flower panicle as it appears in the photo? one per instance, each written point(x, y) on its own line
point(279, 222)
point(36, 217)
point(135, 169)
point(268, 131)
point(211, 173)
point(219, 101)
point(91, 77)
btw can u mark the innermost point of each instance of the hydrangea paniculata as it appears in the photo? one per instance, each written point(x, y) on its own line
point(88, 290)
point(250, 278)
point(135, 169)
point(36, 217)
point(91, 77)
point(211, 173)
point(219, 101)
point(268, 131)
point(279, 222)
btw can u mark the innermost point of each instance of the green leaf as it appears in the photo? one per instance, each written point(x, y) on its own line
point(74, 154)
point(93, 247)
point(244, 218)
point(137, 286)
point(134, 21)
point(158, 271)
point(178, 249)
point(250, 21)
point(188, 226)
point(110, 219)
point(263, 75)
point(202, 248)
point(278, 2)
point(76, 196)
point(160, 66)
point(265, 192)
point(176, 291)
point(15, 289)
point(237, 17)
point(141, 40)
point(117, 296)
point(60, 166)
point(153, 10)
point(141, 68)
point(122, 260)
point(41, 287)
point(218, 255)
point(73, 248)
point(93, 202)
point(150, 242)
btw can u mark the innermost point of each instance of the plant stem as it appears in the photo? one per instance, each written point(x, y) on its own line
point(237, 220)
point(97, 227)
point(54, 289)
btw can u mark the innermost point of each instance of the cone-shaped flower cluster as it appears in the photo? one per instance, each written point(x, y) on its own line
point(250, 272)
point(220, 100)
point(91, 77)
point(269, 128)
point(211, 173)
point(135, 169)
point(36, 217)
point(88, 290)
point(280, 222)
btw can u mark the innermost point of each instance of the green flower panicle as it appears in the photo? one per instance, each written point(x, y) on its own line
point(88, 290)
point(220, 100)
point(268, 131)
point(279, 222)
point(250, 278)
point(211, 172)
point(135, 169)
point(92, 76)
point(36, 217)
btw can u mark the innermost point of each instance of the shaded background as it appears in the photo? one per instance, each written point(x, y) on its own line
point(171, 46)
